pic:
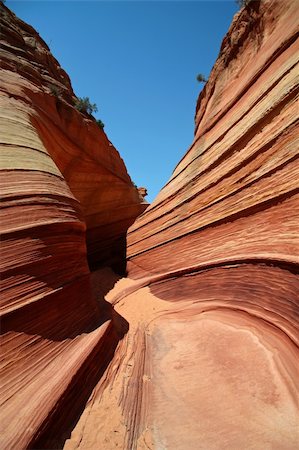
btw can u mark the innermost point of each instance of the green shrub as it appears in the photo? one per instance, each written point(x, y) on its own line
point(100, 124)
point(201, 78)
point(83, 105)
point(55, 90)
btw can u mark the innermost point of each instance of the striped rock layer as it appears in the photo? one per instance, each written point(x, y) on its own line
point(210, 360)
point(198, 347)
point(66, 204)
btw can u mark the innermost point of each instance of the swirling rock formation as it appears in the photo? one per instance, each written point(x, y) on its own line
point(211, 357)
point(52, 145)
point(67, 202)
point(208, 314)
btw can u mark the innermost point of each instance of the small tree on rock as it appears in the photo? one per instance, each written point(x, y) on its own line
point(83, 105)
point(201, 78)
point(100, 124)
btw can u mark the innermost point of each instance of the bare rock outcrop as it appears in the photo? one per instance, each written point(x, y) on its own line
point(67, 202)
point(45, 136)
point(210, 360)
point(198, 347)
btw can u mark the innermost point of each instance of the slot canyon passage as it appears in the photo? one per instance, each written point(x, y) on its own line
point(195, 344)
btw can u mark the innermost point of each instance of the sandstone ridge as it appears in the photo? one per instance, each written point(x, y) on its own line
point(198, 347)
point(210, 360)
point(67, 202)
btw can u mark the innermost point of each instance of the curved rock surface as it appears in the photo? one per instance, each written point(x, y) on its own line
point(198, 347)
point(52, 145)
point(67, 202)
point(210, 360)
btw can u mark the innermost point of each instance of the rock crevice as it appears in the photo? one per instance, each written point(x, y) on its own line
point(197, 348)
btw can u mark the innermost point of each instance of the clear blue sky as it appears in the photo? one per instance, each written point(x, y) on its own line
point(138, 61)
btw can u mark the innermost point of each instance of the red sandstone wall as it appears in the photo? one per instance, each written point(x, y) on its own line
point(220, 245)
point(233, 195)
point(209, 314)
point(210, 359)
point(67, 201)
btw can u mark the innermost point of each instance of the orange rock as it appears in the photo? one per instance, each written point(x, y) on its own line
point(198, 347)
point(210, 360)
point(67, 202)
point(220, 246)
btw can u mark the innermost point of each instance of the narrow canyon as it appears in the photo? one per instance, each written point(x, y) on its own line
point(168, 326)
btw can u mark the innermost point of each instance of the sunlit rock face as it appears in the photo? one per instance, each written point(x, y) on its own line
point(67, 202)
point(219, 246)
point(199, 348)
point(48, 143)
point(210, 360)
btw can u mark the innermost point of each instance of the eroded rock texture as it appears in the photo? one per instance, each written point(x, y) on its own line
point(198, 347)
point(210, 360)
point(63, 186)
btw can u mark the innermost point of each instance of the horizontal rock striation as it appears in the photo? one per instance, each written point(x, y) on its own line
point(67, 202)
point(210, 360)
point(198, 347)
point(44, 134)
point(240, 170)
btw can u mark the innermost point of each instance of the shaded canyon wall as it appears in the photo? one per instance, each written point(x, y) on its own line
point(198, 347)
point(67, 201)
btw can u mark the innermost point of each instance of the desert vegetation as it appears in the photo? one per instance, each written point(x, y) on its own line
point(201, 78)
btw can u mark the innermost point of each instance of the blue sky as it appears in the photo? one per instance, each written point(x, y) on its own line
point(138, 61)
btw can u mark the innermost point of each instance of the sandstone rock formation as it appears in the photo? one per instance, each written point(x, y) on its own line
point(210, 360)
point(142, 191)
point(199, 349)
point(53, 144)
point(67, 202)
